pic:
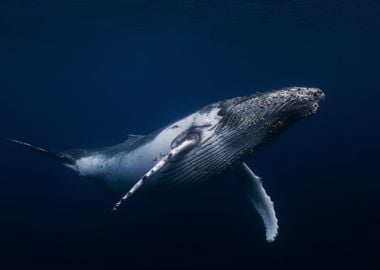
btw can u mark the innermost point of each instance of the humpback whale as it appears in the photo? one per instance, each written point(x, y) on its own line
point(199, 147)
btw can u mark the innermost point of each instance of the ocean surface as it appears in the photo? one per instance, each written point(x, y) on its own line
point(88, 73)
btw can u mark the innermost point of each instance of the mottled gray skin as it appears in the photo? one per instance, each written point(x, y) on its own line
point(197, 148)
point(226, 133)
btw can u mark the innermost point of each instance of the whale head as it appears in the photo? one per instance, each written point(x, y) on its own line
point(279, 109)
point(262, 116)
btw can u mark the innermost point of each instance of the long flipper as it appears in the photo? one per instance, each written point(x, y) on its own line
point(179, 149)
point(255, 191)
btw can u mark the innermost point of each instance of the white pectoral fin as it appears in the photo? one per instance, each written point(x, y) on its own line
point(173, 153)
point(257, 195)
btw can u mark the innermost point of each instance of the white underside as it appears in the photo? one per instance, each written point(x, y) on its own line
point(123, 170)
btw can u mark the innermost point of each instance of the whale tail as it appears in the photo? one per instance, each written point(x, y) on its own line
point(64, 158)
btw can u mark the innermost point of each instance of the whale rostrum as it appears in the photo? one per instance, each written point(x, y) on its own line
point(197, 148)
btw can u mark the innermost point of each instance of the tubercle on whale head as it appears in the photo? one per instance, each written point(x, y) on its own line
point(275, 110)
point(292, 102)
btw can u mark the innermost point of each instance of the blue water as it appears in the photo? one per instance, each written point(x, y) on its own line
point(86, 73)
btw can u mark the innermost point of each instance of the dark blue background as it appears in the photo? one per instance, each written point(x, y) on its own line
point(86, 73)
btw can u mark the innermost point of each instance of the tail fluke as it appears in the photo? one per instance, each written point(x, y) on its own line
point(64, 158)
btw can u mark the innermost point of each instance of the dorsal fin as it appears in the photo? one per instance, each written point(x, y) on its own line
point(134, 136)
point(133, 139)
